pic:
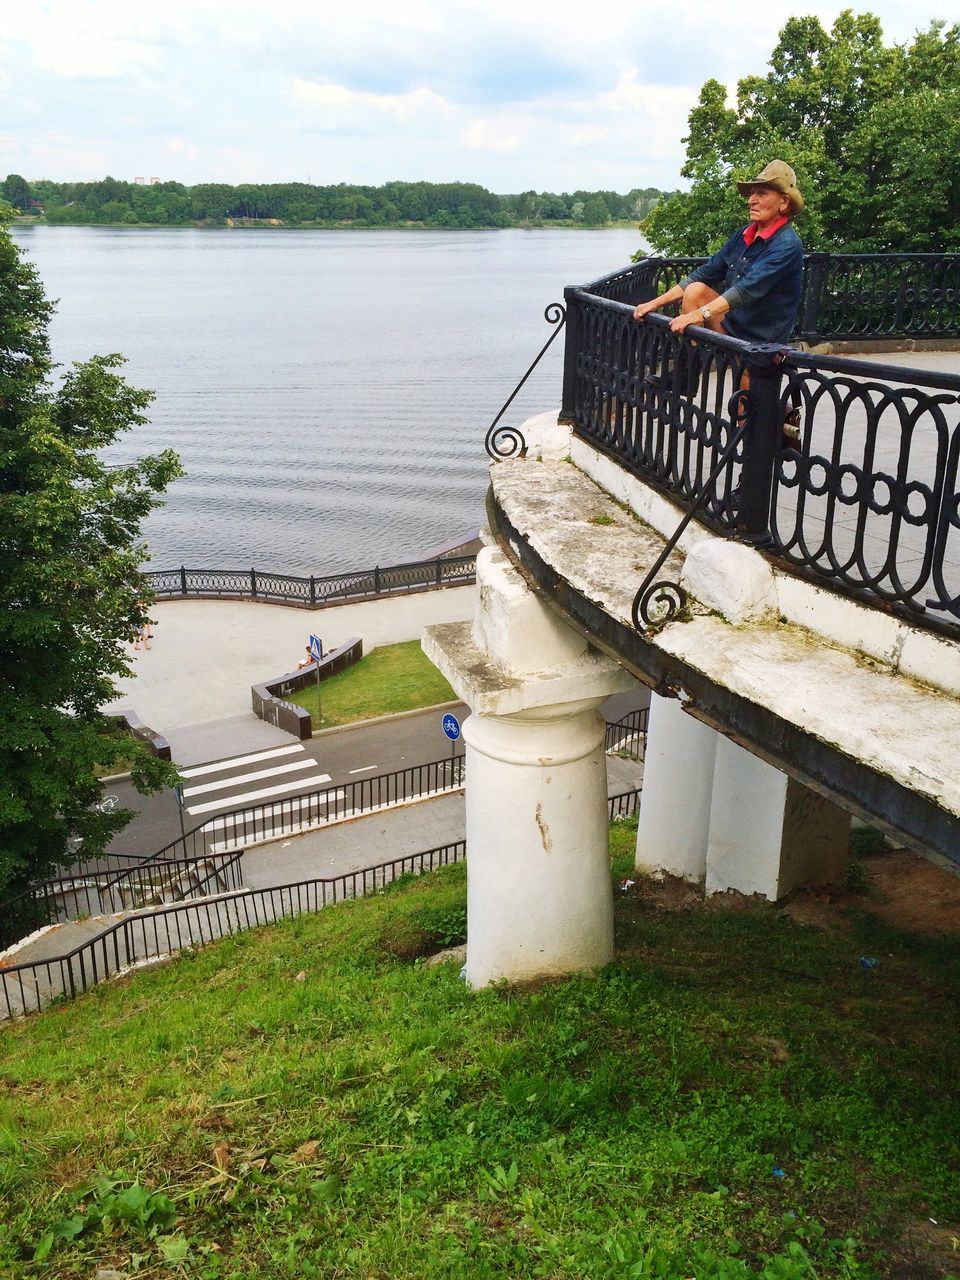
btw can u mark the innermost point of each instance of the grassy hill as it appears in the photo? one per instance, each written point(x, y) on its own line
point(736, 1096)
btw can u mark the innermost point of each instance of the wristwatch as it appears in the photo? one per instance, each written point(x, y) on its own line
point(706, 312)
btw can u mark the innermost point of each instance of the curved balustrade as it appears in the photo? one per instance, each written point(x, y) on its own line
point(869, 499)
point(865, 500)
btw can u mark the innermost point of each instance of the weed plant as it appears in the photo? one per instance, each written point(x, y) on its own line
point(734, 1097)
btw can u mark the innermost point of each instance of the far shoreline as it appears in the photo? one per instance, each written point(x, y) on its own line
point(274, 225)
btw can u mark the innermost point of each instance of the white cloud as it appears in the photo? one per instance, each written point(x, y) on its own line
point(587, 136)
point(484, 135)
point(513, 94)
point(178, 146)
point(94, 38)
point(343, 102)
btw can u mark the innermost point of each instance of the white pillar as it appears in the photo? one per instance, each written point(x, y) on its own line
point(770, 833)
point(678, 765)
point(539, 899)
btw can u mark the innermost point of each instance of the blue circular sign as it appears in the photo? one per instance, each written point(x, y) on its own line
point(451, 727)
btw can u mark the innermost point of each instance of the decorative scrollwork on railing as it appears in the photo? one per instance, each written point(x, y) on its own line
point(505, 442)
point(659, 604)
point(502, 443)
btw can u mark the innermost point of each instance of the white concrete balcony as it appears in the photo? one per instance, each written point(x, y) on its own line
point(793, 602)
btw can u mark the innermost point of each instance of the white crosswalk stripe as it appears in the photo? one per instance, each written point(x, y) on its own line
point(236, 762)
point(240, 800)
point(241, 779)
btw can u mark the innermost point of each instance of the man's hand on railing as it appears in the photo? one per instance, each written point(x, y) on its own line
point(644, 308)
point(679, 323)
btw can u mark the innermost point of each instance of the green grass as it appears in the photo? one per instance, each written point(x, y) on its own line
point(217, 1117)
point(395, 677)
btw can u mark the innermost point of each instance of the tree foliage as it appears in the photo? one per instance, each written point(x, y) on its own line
point(71, 589)
point(429, 204)
point(872, 130)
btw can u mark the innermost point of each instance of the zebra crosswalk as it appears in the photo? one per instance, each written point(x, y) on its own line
point(287, 770)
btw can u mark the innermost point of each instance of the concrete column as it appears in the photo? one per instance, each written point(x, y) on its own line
point(538, 868)
point(770, 833)
point(539, 896)
point(678, 768)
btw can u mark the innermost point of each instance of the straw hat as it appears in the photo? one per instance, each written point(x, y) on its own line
point(780, 177)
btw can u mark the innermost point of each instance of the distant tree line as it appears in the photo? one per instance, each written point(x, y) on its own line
point(430, 204)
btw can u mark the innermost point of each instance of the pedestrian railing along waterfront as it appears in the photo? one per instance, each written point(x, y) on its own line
point(846, 296)
point(312, 592)
point(865, 500)
point(149, 935)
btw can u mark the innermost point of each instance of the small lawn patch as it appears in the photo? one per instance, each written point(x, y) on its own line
point(392, 678)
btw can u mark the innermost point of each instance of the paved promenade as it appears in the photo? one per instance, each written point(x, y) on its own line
point(205, 655)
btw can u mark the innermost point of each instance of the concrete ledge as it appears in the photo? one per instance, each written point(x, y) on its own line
point(269, 698)
point(922, 654)
point(157, 743)
point(850, 726)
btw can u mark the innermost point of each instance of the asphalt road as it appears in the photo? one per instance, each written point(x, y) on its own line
point(332, 759)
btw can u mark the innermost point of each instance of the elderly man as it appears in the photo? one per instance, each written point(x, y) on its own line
point(751, 288)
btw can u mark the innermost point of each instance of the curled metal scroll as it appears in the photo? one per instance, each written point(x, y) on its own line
point(508, 442)
point(505, 442)
point(658, 604)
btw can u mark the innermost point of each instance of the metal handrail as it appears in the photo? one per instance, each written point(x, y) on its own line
point(127, 941)
point(508, 442)
point(190, 848)
point(629, 728)
point(845, 297)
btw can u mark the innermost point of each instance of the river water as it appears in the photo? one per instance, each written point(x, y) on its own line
point(328, 391)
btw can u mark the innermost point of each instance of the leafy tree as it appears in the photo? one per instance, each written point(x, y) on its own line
point(16, 191)
point(595, 212)
point(452, 204)
point(71, 590)
point(871, 130)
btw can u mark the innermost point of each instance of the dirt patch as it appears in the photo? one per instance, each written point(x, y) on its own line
point(900, 887)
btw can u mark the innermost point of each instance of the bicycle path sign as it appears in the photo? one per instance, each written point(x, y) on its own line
point(451, 726)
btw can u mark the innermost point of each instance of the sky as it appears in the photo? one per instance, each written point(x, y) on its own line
point(512, 94)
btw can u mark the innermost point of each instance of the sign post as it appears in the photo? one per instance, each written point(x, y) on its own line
point(316, 648)
point(178, 792)
point(451, 727)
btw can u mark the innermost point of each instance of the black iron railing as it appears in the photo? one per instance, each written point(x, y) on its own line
point(846, 296)
point(144, 936)
point(148, 935)
point(212, 843)
point(623, 805)
point(628, 734)
point(865, 500)
point(93, 893)
point(206, 858)
point(507, 442)
point(288, 816)
point(313, 592)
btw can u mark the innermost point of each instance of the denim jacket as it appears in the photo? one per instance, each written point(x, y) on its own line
point(762, 283)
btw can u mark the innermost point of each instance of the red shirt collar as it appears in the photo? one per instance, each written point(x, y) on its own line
point(750, 233)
